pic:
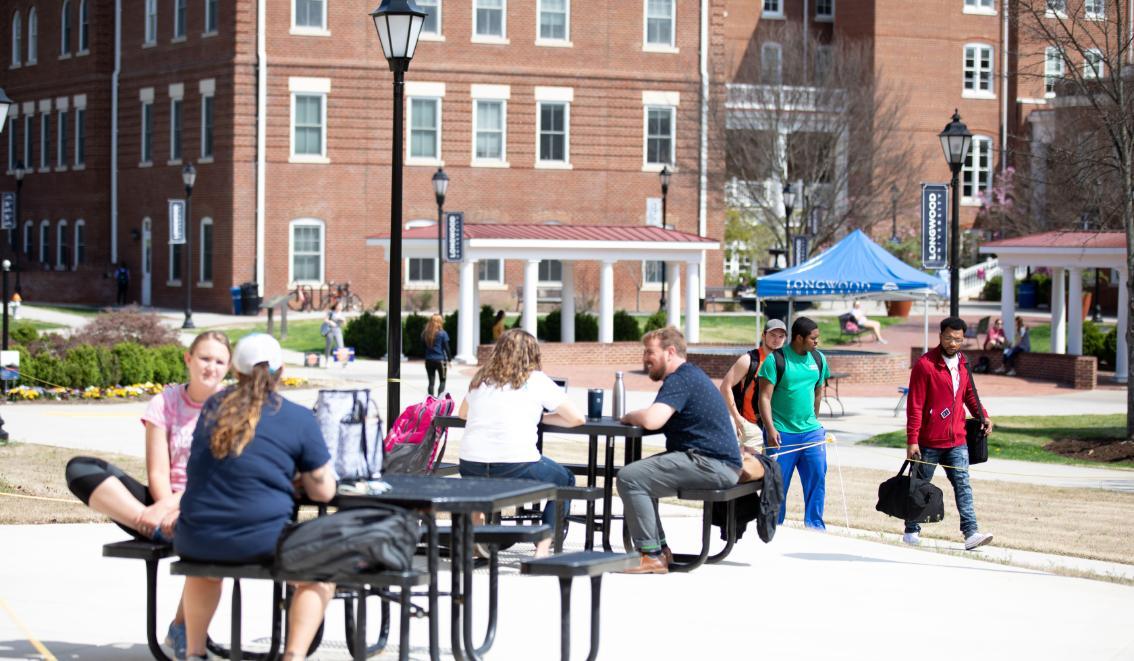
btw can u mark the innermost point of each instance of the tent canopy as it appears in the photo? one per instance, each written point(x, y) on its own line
point(855, 266)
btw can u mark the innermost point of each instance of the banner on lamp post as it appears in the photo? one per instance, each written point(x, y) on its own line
point(454, 236)
point(934, 226)
point(800, 245)
point(8, 211)
point(176, 222)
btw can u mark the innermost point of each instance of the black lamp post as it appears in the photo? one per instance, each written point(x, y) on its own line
point(5, 265)
point(955, 141)
point(398, 23)
point(18, 230)
point(188, 177)
point(789, 203)
point(665, 174)
point(440, 185)
point(894, 214)
point(5, 103)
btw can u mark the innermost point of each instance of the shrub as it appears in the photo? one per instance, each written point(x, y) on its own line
point(23, 333)
point(110, 373)
point(128, 325)
point(135, 363)
point(991, 291)
point(367, 334)
point(626, 327)
point(586, 327)
point(169, 364)
point(49, 371)
point(451, 327)
point(81, 367)
point(412, 344)
point(550, 328)
point(27, 367)
point(655, 321)
point(1102, 347)
point(487, 318)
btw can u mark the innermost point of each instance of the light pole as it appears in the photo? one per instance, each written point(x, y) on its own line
point(5, 265)
point(188, 177)
point(789, 203)
point(894, 214)
point(19, 236)
point(955, 142)
point(398, 23)
point(665, 174)
point(5, 102)
point(440, 185)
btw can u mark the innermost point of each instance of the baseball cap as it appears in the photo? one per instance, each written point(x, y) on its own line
point(773, 324)
point(255, 349)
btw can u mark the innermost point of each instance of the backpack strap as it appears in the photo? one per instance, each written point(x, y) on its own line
point(753, 365)
point(818, 358)
point(781, 365)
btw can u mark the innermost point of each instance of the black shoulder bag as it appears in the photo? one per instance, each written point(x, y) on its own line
point(975, 437)
point(911, 498)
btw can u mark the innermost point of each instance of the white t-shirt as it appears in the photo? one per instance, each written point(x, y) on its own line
point(502, 422)
point(954, 364)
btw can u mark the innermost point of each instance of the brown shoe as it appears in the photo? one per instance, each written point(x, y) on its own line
point(668, 555)
point(651, 564)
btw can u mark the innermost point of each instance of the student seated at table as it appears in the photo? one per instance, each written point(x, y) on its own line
point(507, 399)
point(247, 449)
point(151, 511)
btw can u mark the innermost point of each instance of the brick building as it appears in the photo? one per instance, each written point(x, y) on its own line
point(548, 111)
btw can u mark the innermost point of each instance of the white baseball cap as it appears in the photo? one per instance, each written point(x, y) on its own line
point(255, 349)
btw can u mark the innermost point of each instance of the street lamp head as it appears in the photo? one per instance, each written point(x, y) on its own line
point(398, 23)
point(955, 142)
point(189, 176)
point(440, 185)
point(6, 265)
point(894, 194)
point(789, 197)
point(5, 103)
point(19, 171)
point(665, 174)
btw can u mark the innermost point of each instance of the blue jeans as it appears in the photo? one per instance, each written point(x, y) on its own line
point(962, 490)
point(812, 466)
point(544, 470)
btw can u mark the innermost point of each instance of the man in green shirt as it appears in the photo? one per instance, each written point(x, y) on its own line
point(791, 387)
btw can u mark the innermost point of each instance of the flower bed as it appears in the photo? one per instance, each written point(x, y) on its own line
point(95, 393)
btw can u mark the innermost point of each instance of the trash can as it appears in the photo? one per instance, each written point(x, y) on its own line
point(237, 303)
point(1026, 295)
point(250, 298)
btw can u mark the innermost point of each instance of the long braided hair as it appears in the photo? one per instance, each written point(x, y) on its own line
point(239, 411)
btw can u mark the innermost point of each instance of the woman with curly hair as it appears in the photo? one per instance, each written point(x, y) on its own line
point(247, 448)
point(507, 399)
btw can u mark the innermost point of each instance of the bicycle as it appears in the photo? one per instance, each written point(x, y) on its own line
point(340, 294)
point(300, 298)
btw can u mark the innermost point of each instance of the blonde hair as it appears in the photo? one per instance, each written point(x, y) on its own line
point(436, 325)
point(667, 337)
point(239, 411)
point(215, 336)
point(514, 357)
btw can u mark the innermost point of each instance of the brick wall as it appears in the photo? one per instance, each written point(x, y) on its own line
point(1079, 372)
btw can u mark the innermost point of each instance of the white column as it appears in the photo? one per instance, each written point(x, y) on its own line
point(567, 309)
point(1075, 312)
point(466, 315)
point(1008, 300)
point(673, 301)
point(1121, 354)
point(692, 302)
point(1058, 311)
point(531, 278)
point(476, 314)
point(606, 302)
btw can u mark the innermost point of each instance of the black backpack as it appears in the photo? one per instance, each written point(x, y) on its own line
point(738, 389)
point(373, 538)
point(910, 498)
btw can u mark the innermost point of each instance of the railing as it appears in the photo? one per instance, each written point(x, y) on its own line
point(973, 277)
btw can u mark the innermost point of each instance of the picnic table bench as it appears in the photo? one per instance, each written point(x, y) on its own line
point(543, 295)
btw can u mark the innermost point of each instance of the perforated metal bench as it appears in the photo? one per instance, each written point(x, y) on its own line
point(683, 562)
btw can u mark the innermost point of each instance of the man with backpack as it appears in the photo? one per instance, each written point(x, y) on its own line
point(740, 387)
point(121, 282)
point(791, 387)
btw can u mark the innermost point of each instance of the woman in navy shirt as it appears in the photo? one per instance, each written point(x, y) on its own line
point(436, 353)
point(247, 448)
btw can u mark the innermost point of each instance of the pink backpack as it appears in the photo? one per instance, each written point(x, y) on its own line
point(414, 445)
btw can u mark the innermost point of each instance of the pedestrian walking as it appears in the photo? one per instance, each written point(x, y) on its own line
point(498, 326)
point(121, 282)
point(940, 389)
point(436, 341)
point(332, 332)
point(741, 388)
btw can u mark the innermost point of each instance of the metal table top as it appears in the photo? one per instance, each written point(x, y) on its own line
point(440, 494)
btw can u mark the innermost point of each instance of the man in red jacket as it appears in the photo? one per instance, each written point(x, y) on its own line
point(940, 389)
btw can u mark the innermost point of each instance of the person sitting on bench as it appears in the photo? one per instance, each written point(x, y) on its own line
point(1023, 345)
point(861, 319)
point(246, 451)
point(995, 338)
point(150, 512)
point(701, 451)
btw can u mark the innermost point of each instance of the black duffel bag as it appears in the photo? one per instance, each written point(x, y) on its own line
point(975, 438)
point(367, 539)
point(910, 498)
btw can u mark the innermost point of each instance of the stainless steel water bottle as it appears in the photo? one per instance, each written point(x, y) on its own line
point(618, 402)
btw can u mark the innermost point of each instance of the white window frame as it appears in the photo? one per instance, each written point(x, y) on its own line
point(541, 281)
point(33, 37)
point(671, 47)
point(657, 101)
point(825, 17)
point(201, 281)
point(176, 128)
point(80, 240)
point(493, 94)
point(978, 69)
point(62, 111)
point(307, 222)
point(13, 140)
point(502, 38)
point(212, 14)
point(149, 37)
point(17, 41)
point(1093, 72)
point(1052, 55)
point(981, 146)
point(60, 239)
point(29, 120)
point(208, 90)
point(775, 12)
point(1056, 9)
point(174, 259)
point(180, 29)
point(307, 30)
point(80, 131)
point(765, 49)
point(320, 87)
point(44, 240)
point(560, 96)
point(65, 30)
point(540, 40)
point(420, 284)
point(424, 91)
point(146, 142)
point(1094, 10)
point(84, 28)
point(651, 285)
point(980, 7)
point(492, 283)
point(45, 136)
point(29, 244)
point(439, 35)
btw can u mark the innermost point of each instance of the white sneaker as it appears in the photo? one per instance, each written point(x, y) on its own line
point(911, 538)
point(976, 540)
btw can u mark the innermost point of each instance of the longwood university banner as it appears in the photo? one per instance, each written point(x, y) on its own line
point(934, 226)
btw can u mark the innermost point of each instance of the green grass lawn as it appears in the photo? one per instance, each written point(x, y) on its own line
point(302, 335)
point(733, 329)
point(78, 311)
point(39, 325)
point(1023, 437)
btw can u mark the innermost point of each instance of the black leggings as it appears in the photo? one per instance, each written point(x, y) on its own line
point(85, 474)
point(438, 368)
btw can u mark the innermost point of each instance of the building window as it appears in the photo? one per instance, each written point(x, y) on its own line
point(824, 61)
point(80, 244)
point(175, 258)
point(976, 174)
point(980, 6)
point(175, 112)
point(1057, 8)
point(62, 247)
point(17, 39)
point(489, 18)
point(180, 8)
point(65, 30)
point(825, 10)
point(151, 21)
point(1093, 66)
point(771, 63)
point(551, 271)
point(773, 9)
point(554, 20)
point(659, 136)
point(1095, 10)
point(309, 128)
point(207, 126)
point(553, 132)
point(33, 36)
point(652, 272)
point(29, 227)
point(978, 70)
point(491, 271)
point(205, 268)
point(211, 16)
point(432, 24)
point(489, 143)
point(84, 27)
point(80, 136)
point(44, 241)
point(147, 133)
point(1052, 69)
point(311, 14)
point(29, 164)
point(61, 140)
point(420, 271)
point(44, 141)
point(307, 251)
point(425, 129)
point(659, 23)
point(13, 142)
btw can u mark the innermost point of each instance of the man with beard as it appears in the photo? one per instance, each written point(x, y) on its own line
point(700, 445)
point(940, 386)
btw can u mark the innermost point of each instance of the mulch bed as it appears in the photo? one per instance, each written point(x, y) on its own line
point(1099, 449)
